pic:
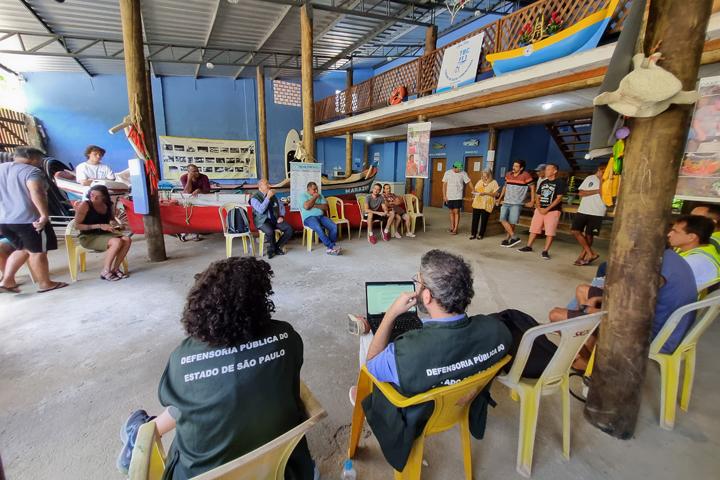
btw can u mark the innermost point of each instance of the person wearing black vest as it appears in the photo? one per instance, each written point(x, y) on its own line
point(268, 216)
point(435, 355)
point(234, 383)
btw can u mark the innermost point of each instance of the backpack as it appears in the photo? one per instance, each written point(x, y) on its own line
point(237, 221)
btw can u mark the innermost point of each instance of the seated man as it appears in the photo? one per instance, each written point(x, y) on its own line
point(396, 205)
point(194, 182)
point(690, 237)
point(419, 360)
point(314, 208)
point(234, 383)
point(268, 216)
point(375, 207)
point(677, 289)
point(93, 169)
point(711, 211)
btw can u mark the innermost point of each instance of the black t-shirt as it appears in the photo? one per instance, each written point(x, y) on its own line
point(231, 400)
point(549, 190)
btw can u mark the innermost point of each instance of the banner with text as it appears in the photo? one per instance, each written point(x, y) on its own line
point(300, 175)
point(218, 159)
point(460, 63)
point(418, 150)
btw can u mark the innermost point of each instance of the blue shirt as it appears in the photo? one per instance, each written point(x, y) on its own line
point(261, 207)
point(384, 367)
point(313, 212)
point(679, 290)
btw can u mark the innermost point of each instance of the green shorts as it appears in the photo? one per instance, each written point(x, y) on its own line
point(96, 241)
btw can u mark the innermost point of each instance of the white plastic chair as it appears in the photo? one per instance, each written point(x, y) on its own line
point(412, 205)
point(229, 237)
point(555, 377)
point(76, 253)
point(671, 363)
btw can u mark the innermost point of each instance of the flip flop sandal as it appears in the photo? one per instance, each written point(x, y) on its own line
point(57, 286)
point(109, 277)
point(120, 274)
point(10, 289)
point(588, 262)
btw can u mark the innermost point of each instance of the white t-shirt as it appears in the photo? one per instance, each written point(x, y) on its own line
point(85, 171)
point(592, 204)
point(455, 184)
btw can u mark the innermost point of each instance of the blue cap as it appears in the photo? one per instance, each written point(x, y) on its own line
point(348, 464)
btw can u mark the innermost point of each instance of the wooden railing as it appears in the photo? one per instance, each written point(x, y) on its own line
point(420, 75)
point(13, 132)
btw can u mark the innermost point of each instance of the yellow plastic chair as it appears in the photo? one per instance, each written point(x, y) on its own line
point(452, 405)
point(670, 364)
point(308, 235)
point(412, 205)
point(261, 240)
point(556, 377)
point(360, 197)
point(264, 463)
point(229, 237)
point(76, 253)
point(336, 212)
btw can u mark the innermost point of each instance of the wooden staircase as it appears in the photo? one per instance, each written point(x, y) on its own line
point(573, 139)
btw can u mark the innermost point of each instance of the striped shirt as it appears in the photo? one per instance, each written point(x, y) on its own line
point(516, 187)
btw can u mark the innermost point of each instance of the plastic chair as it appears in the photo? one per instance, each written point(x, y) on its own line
point(265, 462)
point(76, 253)
point(360, 197)
point(452, 405)
point(412, 204)
point(229, 237)
point(261, 240)
point(670, 364)
point(309, 234)
point(556, 377)
point(336, 212)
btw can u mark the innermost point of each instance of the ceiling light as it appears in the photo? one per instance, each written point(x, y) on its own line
point(234, 2)
point(368, 138)
point(477, 13)
point(337, 92)
point(547, 105)
point(389, 59)
point(210, 65)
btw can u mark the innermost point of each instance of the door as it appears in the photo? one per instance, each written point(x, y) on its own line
point(436, 185)
point(473, 167)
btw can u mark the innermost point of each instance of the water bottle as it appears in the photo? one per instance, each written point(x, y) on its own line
point(348, 472)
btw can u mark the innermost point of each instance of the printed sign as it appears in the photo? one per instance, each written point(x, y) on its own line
point(218, 159)
point(418, 150)
point(300, 175)
point(699, 177)
point(460, 63)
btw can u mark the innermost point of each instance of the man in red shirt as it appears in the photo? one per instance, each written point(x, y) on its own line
point(194, 182)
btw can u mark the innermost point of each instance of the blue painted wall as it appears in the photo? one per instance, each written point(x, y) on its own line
point(331, 153)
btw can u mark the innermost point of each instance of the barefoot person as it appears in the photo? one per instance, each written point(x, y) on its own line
point(454, 181)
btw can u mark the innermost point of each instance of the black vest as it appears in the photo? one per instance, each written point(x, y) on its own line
point(260, 218)
point(440, 353)
point(231, 400)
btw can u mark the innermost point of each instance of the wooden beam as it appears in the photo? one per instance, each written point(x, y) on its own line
point(366, 159)
point(308, 102)
point(650, 172)
point(348, 109)
point(262, 123)
point(430, 46)
point(492, 147)
point(141, 110)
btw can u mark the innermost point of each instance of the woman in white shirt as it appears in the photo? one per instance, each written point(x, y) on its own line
point(92, 169)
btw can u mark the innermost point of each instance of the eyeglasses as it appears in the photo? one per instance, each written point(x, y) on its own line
point(418, 280)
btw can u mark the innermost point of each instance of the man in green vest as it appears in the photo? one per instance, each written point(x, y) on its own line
point(268, 216)
point(711, 211)
point(448, 348)
point(690, 237)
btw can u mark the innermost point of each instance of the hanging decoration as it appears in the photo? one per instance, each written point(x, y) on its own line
point(613, 172)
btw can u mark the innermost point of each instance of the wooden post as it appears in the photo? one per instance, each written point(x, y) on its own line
point(652, 157)
point(348, 112)
point(308, 104)
point(141, 108)
point(492, 147)
point(366, 159)
point(430, 46)
point(262, 123)
point(348, 154)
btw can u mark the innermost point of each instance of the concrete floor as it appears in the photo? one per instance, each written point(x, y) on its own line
point(75, 362)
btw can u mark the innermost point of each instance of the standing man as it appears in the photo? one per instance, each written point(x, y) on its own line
point(25, 219)
point(194, 182)
point(268, 216)
point(512, 197)
point(548, 207)
point(540, 171)
point(314, 208)
point(454, 182)
point(93, 169)
point(589, 217)
point(375, 207)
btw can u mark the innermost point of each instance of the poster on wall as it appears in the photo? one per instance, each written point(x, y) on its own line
point(218, 159)
point(460, 63)
point(699, 177)
point(300, 175)
point(418, 150)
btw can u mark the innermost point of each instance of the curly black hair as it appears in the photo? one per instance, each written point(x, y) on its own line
point(230, 302)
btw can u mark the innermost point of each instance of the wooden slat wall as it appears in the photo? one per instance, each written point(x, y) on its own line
point(420, 76)
point(13, 132)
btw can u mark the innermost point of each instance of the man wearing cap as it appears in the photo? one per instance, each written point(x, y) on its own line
point(540, 171)
point(454, 182)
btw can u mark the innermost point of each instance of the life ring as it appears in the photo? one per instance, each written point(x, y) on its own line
point(398, 95)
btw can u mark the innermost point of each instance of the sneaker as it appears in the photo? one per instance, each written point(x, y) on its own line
point(128, 434)
point(372, 239)
point(333, 251)
point(386, 235)
point(545, 255)
point(397, 235)
point(410, 234)
point(513, 242)
point(525, 249)
point(505, 243)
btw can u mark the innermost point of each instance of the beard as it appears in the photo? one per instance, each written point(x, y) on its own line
point(420, 305)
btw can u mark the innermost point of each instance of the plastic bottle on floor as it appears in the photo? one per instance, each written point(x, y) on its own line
point(348, 472)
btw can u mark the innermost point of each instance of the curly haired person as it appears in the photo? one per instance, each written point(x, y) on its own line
point(234, 383)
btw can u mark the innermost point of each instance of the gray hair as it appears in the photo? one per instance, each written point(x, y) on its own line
point(449, 279)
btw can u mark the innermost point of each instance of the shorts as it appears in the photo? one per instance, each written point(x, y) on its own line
point(97, 242)
point(23, 236)
point(454, 204)
point(587, 224)
point(549, 222)
point(510, 213)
